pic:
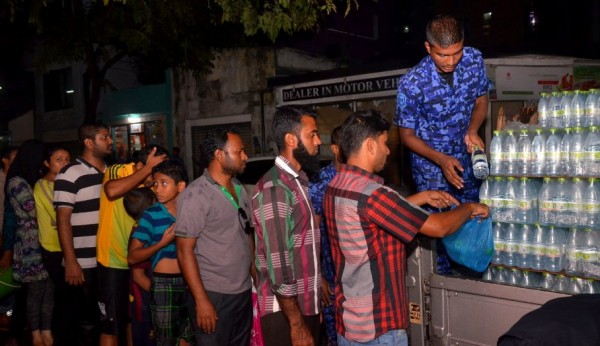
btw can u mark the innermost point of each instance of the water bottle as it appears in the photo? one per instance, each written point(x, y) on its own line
point(499, 246)
point(546, 214)
point(485, 191)
point(489, 274)
point(592, 153)
point(496, 154)
point(524, 256)
point(572, 256)
point(548, 281)
point(524, 153)
point(556, 112)
point(576, 157)
point(588, 253)
point(590, 215)
point(511, 247)
point(497, 199)
point(552, 157)
point(578, 109)
point(555, 242)
point(571, 216)
point(564, 167)
point(480, 163)
point(530, 279)
point(561, 284)
point(515, 277)
point(543, 113)
point(561, 199)
point(526, 196)
point(565, 105)
point(592, 111)
point(589, 286)
point(574, 285)
point(510, 201)
point(509, 153)
point(538, 248)
point(538, 154)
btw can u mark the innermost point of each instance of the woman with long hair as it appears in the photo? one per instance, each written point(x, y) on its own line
point(28, 266)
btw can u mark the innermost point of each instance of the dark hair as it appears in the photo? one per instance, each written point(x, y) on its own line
point(335, 135)
point(216, 139)
point(288, 119)
point(28, 162)
point(5, 154)
point(90, 130)
point(444, 30)
point(172, 169)
point(358, 127)
point(143, 156)
point(135, 201)
point(50, 150)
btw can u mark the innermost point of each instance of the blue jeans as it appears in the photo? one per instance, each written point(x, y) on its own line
point(396, 337)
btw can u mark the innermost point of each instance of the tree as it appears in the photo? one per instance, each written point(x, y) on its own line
point(173, 33)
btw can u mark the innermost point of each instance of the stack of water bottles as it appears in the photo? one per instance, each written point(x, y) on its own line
point(544, 195)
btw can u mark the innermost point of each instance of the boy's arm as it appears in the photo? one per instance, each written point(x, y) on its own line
point(138, 252)
point(139, 277)
point(117, 188)
point(206, 315)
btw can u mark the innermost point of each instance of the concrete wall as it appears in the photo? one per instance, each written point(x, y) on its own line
point(235, 86)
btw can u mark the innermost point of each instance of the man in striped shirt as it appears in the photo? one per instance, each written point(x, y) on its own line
point(77, 202)
point(368, 226)
point(287, 234)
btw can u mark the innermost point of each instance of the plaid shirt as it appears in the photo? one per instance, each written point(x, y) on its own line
point(368, 224)
point(287, 240)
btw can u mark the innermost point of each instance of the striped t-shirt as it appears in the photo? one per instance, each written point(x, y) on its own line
point(150, 229)
point(78, 186)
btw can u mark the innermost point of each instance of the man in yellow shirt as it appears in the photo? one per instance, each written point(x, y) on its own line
point(112, 240)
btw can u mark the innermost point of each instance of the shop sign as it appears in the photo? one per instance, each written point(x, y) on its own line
point(360, 86)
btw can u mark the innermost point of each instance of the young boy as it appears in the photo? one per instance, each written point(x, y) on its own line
point(135, 202)
point(154, 239)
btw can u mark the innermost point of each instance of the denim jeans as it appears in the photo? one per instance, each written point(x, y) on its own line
point(396, 337)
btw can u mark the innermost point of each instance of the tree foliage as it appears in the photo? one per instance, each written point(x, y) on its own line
point(161, 33)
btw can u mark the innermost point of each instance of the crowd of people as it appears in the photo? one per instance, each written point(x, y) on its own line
point(102, 250)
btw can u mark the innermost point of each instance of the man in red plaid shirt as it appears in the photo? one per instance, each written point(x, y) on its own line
point(368, 226)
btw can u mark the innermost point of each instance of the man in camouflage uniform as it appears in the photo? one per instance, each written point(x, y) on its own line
point(441, 104)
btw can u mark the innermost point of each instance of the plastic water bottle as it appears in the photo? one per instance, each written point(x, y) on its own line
point(524, 153)
point(572, 256)
point(577, 117)
point(589, 286)
point(538, 248)
point(509, 153)
point(555, 242)
point(496, 154)
point(556, 112)
point(547, 208)
point(552, 154)
point(530, 279)
point(588, 253)
point(543, 112)
point(565, 150)
point(526, 197)
point(510, 201)
point(548, 281)
point(538, 154)
point(592, 111)
point(561, 284)
point(499, 245)
point(565, 105)
point(524, 256)
point(561, 199)
point(571, 216)
point(480, 163)
point(590, 215)
point(485, 191)
point(592, 152)
point(576, 157)
point(497, 199)
point(511, 241)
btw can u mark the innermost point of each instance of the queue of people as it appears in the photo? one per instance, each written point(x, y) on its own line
point(103, 250)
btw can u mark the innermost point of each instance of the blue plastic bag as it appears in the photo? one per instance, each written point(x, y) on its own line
point(472, 245)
